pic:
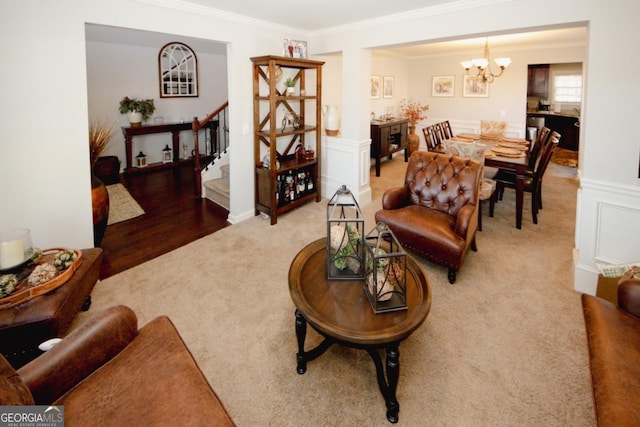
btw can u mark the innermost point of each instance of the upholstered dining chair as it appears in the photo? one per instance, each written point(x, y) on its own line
point(492, 129)
point(474, 151)
point(434, 213)
point(532, 183)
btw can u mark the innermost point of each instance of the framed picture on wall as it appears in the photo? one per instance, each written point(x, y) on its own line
point(475, 87)
point(387, 87)
point(294, 48)
point(442, 85)
point(375, 87)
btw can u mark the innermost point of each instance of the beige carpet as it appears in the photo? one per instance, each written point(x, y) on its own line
point(122, 206)
point(504, 346)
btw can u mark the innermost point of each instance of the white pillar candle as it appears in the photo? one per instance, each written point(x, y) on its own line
point(11, 253)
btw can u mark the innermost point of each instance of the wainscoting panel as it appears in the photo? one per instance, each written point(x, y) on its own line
point(607, 229)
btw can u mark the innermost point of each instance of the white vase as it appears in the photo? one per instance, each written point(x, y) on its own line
point(135, 118)
point(331, 119)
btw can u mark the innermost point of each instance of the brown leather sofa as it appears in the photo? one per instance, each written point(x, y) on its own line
point(435, 213)
point(107, 372)
point(613, 334)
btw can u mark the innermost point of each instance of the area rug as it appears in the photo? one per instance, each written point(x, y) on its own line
point(122, 206)
point(565, 157)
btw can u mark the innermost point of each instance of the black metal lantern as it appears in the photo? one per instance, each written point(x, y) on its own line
point(141, 160)
point(386, 270)
point(167, 154)
point(345, 237)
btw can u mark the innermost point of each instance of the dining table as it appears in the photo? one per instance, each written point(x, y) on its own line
point(517, 162)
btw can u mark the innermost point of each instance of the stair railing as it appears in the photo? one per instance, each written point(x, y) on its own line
point(218, 123)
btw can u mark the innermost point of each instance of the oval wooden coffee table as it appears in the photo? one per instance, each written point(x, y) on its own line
point(340, 312)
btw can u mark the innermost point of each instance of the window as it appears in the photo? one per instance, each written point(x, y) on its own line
point(567, 88)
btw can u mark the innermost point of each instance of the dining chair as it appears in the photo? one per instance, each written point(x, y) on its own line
point(535, 152)
point(474, 151)
point(446, 129)
point(439, 132)
point(536, 147)
point(430, 137)
point(532, 183)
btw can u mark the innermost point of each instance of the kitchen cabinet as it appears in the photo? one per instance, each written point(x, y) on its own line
point(567, 126)
point(538, 81)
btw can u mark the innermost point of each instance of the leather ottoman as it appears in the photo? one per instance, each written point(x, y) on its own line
point(25, 326)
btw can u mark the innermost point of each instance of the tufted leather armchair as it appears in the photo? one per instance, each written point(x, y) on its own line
point(435, 213)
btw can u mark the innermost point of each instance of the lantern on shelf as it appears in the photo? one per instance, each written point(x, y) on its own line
point(167, 154)
point(141, 160)
point(386, 270)
point(345, 237)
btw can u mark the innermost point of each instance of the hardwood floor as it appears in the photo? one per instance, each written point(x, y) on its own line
point(173, 217)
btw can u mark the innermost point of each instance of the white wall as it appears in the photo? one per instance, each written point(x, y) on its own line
point(115, 70)
point(610, 97)
point(44, 173)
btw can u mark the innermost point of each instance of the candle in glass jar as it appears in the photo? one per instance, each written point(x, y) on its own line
point(11, 253)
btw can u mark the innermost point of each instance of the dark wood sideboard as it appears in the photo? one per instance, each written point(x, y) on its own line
point(388, 137)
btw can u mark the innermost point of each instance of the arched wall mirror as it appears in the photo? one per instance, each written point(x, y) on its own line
point(178, 68)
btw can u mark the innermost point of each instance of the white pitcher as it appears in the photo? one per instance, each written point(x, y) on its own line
point(331, 119)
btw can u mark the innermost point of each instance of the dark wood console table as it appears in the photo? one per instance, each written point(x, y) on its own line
point(387, 137)
point(175, 129)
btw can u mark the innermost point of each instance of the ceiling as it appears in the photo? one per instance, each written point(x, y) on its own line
point(318, 15)
point(313, 15)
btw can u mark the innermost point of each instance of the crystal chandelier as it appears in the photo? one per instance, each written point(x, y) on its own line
point(484, 66)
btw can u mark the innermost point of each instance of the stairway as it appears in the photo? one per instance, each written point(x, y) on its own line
point(217, 190)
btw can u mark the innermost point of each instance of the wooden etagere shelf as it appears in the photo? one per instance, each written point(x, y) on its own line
point(286, 151)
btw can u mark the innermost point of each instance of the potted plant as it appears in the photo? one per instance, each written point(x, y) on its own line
point(139, 110)
point(290, 86)
point(99, 138)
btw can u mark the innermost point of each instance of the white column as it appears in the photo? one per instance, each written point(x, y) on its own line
point(345, 159)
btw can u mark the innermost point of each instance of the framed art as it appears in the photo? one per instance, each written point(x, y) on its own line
point(375, 87)
point(294, 48)
point(387, 87)
point(442, 85)
point(475, 87)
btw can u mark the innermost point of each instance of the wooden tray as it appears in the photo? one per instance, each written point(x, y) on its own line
point(24, 292)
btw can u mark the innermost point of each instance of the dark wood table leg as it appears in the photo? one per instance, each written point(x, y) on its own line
point(519, 199)
point(302, 357)
point(378, 166)
point(301, 333)
point(388, 385)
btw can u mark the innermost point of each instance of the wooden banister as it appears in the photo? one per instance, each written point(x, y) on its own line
point(196, 125)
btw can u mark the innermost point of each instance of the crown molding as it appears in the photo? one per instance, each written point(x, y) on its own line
point(440, 9)
point(188, 7)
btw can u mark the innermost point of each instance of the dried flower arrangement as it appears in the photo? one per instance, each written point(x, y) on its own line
point(413, 110)
point(99, 138)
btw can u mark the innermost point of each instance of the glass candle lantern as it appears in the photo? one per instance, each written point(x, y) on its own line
point(345, 237)
point(141, 160)
point(167, 154)
point(386, 270)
